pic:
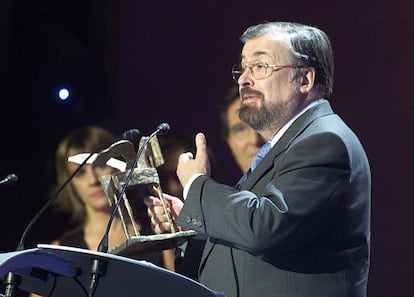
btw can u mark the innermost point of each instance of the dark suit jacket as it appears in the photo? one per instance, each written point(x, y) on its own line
point(300, 224)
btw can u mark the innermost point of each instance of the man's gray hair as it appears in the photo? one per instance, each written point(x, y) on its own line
point(309, 46)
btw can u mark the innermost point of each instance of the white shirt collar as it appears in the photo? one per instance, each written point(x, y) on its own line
point(286, 126)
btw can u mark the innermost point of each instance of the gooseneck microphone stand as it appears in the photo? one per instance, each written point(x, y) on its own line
point(12, 280)
point(99, 266)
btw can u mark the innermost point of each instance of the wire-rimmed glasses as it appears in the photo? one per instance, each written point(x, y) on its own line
point(257, 69)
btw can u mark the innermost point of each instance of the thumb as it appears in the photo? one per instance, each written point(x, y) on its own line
point(201, 154)
point(201, 146)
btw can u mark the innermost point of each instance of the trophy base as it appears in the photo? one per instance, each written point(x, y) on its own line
point(147, 243)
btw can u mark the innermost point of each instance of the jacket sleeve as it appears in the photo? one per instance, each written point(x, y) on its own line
point(295, 200)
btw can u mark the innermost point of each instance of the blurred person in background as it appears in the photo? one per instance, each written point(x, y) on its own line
point(84, 199)
point(242, 140)
point(84, 203)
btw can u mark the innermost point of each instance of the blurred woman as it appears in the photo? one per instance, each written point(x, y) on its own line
point(85, 202)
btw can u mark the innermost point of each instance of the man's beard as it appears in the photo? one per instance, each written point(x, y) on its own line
point(267, 117)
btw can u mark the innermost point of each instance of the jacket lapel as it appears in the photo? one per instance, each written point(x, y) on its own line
point(297, 127)
point(266, 164)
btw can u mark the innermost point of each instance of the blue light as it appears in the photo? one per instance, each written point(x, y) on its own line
point(64, 94)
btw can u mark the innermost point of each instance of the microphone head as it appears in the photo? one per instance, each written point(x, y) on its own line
point(163, 128)
point(11, 179)
point(131, 135)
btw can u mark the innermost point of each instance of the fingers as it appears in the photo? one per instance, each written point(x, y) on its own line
point(155, 209)
point(156, 213)
point(159, 220)
point(151, 201)
point(160, 224)
point(164, 228)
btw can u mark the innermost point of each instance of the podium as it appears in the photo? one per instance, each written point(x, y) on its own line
point(51, 270)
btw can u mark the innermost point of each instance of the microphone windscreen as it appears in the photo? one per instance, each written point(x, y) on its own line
point(12, 178)
point(131, 134)
point(163, 128)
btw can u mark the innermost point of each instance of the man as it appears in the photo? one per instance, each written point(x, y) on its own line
point(299, 224)
point(242, 140)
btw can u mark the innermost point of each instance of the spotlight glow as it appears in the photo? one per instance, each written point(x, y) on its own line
point(64, 94)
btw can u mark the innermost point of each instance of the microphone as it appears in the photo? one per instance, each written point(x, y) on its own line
point(99, 266)
point(10, 179)
point(12, 279)
point(161, 129)
point(130, 135)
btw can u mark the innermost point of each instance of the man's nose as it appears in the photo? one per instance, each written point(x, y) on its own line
point(245, 79)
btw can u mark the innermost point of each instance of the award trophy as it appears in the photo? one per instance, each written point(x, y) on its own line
point(121, 155)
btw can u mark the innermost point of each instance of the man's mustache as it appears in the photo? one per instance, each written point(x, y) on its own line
point(249, 91)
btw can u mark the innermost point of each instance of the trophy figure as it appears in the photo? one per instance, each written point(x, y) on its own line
point(121, 155)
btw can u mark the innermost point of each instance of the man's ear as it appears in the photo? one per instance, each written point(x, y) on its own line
point(307, 79)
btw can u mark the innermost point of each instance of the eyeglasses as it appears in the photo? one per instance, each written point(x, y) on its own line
point(257, 69)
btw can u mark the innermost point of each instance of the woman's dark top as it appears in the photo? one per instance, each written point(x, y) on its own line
point(75, 238)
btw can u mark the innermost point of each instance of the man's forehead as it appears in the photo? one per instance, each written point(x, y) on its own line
point(266, 45)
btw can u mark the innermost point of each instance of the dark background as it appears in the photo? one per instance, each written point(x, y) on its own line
point(135, 64)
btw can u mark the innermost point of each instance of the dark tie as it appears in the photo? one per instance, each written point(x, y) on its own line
point(256, 160)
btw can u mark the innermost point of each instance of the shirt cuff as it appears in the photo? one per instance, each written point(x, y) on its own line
point(189, 183)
